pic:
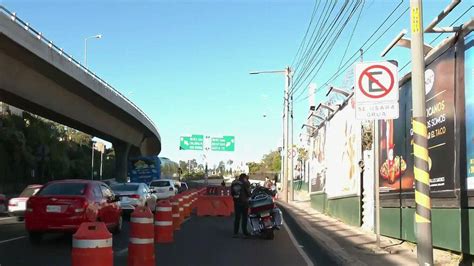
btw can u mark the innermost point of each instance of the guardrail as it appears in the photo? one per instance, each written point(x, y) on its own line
point(71, 59)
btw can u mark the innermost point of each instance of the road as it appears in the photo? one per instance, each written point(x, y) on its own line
point(201, 241)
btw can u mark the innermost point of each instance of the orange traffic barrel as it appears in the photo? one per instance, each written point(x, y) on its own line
point(175, 212)
point(186, 204)
point(141, 249)
point(163, 222)
point(92, 245)
point(181, 209)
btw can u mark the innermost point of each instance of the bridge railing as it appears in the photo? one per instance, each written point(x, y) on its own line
point(71, 59)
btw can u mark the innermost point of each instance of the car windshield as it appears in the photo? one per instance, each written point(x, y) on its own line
point(160, 183)
point(67, 189)
point(29, 191)
point(125, 187)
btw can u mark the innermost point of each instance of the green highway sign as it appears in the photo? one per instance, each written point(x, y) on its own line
point(193, 143)
point(226, 143)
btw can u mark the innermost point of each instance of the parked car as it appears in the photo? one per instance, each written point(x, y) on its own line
point(17, 206)
point(61, 206)
point(133, 195)
point(165, 188)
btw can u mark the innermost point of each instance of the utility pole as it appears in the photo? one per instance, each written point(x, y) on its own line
point(292, 157)
point(286, 132)
point(288, 150)
point(92, 161)
point(420, 139)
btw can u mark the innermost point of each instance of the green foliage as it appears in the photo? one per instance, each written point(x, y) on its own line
point(34, 150)
point(271, 162)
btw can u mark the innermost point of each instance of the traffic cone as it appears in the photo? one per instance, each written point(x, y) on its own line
point(175, 213)
point(163, 222)
point(92, 245)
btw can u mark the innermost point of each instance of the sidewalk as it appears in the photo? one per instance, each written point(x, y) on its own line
point(350, 245)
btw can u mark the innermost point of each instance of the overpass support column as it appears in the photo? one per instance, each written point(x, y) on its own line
point(122, 150)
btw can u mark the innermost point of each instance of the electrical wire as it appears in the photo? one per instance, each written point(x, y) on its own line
point(319, 61)
point(348, 63)
point(315, 8)
point(322, 42)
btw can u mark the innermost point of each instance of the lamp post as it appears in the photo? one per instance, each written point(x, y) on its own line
point(98, 36)
point(287, 141)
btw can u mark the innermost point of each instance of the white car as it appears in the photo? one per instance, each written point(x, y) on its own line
point(17, 206)
point(165, 188)
point(133, 195)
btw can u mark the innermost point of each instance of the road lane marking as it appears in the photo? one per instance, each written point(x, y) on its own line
point(12, 239)
point(298, 247)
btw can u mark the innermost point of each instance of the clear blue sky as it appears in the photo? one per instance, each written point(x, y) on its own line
point(186, 63)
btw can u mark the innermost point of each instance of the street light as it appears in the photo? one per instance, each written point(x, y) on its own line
point(287, 142)
point(98, 36)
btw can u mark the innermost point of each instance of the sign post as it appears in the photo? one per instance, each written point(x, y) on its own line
point(376, 95)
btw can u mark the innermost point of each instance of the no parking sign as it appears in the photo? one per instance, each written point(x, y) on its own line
point(376, 91)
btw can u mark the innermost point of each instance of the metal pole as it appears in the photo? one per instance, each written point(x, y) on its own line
point(286, 132)
point(420, 139)
point(92, 162)
point(377, 180)
point(101, 163)
point(292, 158)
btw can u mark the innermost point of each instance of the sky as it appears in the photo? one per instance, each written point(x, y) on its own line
point(186, 63)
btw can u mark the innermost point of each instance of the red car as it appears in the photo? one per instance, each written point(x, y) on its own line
point(61, 206)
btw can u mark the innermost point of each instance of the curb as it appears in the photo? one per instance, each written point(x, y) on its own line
point(325, 242)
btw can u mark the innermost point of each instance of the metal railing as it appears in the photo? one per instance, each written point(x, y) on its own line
point(71, 59)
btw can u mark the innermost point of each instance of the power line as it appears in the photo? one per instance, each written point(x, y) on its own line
point(352, 34)
point(325, 53)
point(348, 62)
point(322, 45)
point(316, 5)
point(310, 45)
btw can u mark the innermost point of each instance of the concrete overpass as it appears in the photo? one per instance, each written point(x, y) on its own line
point(39, 77)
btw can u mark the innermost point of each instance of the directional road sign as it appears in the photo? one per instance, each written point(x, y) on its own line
point(376, 91)
point(226, 143)
point(193, 142)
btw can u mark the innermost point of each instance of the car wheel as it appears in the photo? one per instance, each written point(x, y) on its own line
point(118, 227)
point(35, 237)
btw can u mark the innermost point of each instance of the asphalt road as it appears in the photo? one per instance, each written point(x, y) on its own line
point(201, 241)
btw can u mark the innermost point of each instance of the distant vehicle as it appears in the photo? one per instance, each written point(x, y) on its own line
point(165, 188)
point(133, 195)
point(144, 169)
point(62, 205)
point(17, 206)
point(3, 203)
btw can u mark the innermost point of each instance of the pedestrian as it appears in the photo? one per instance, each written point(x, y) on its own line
point(240, 190)
point(223, 183)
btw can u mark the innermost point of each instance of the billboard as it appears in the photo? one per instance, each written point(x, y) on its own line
point(343, 153)
point(396, 136)
point(318, 163)
point(469, 105)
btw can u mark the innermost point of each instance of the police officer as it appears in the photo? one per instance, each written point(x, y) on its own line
point(240, 190)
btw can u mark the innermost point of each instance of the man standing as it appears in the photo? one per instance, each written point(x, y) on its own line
point(240, 190)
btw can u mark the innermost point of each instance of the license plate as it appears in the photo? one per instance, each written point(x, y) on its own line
point(53, 208)
point(162, 190)
point(267, 222)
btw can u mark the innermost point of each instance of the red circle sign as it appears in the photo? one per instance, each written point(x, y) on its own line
point(386, 89)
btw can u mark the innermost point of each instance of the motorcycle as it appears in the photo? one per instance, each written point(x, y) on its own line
point(264, 217)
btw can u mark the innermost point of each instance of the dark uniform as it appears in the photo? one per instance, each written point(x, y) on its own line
point(240, 190)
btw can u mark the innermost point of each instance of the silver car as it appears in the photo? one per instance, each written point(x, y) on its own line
point(133, 195)
point(165, 188)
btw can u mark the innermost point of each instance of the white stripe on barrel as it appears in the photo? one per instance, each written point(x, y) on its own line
point(176, 215)
point(141, 220)
point(163, 209)
point(163, 223)
point(90, 243)
point(181, 209)
point(141, 241)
